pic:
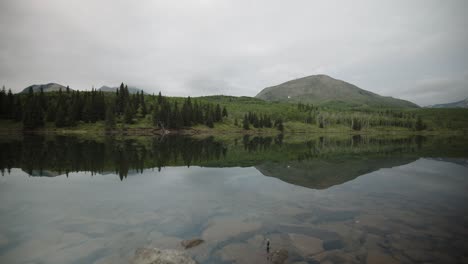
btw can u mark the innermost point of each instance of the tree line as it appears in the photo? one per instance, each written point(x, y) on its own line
point(360, 118)
point(67, 108)
point(261, 121)
point(165, 114)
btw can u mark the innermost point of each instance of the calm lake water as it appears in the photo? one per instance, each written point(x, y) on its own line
point(324, 199)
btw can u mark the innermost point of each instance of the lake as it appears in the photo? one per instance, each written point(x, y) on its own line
point(325, 199)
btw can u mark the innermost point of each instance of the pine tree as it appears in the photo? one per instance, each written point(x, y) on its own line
point(76, 106)
point(160, 98)
point(70, 116)
point(128, 114)
point(218, 113)
point(144, 109)
point(356, 124)
point(280, 125)
point(187, 112)
point(87, 109)
point(33, 116)
point(225, 113)
point(165, 114)
point(110, 117)
point(209, 120)
point(9, 105)
point(179, 120)
point(155, 116)
point(60, 118)
point(255, 121)
point(419, 124)
point(99, 104)
point(3, 108)
point(197, 113)
point(269, 124)
point(42, 99)
point(61, 111)
point(120, 100)
point(17, 109)
point(245, 123)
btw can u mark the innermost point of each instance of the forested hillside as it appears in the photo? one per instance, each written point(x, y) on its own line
point(73, 110)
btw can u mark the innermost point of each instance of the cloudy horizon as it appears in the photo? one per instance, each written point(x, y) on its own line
point(413, 50)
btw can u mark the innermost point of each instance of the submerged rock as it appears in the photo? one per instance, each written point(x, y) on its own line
point(333, 244)
point(306, 244)
point(160, 256)
point(375, 256)
point(3, 240)
point(191, 243)
point(279, 256)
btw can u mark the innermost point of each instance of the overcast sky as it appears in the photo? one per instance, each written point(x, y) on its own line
point(414, 50)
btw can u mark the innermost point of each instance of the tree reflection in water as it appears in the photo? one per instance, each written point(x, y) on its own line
point(315, 163)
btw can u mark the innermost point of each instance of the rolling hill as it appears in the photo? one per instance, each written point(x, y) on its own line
point(323, 90)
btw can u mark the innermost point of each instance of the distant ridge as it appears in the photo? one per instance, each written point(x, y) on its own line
point(458, 104)
point(323, 89)
point(131, 89)
point(55, 87)
point(50, 87)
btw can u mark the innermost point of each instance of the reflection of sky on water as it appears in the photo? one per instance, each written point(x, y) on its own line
point(99, 218)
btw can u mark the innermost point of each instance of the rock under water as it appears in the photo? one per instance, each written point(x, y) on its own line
point(191, 243)
point(160, 256)
point(279, 256)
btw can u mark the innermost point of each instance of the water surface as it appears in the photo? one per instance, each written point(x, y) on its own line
point(325, 200)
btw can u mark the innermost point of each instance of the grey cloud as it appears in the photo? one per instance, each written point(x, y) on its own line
point(209, 86)
point(235, 47)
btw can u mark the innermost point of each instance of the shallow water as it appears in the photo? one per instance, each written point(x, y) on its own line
point(395, 203)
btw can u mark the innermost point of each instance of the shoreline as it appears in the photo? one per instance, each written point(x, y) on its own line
point(150, 131)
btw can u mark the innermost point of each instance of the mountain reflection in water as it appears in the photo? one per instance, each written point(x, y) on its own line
point(317, 163)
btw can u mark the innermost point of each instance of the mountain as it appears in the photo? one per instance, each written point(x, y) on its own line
point(50, 87)
point(459, 104)
point(131, 89)
point(323, 173)
point(323, 89)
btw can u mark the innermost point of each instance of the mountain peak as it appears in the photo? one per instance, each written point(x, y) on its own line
point(324, 89)
point(49, 87)
point(457, 104)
